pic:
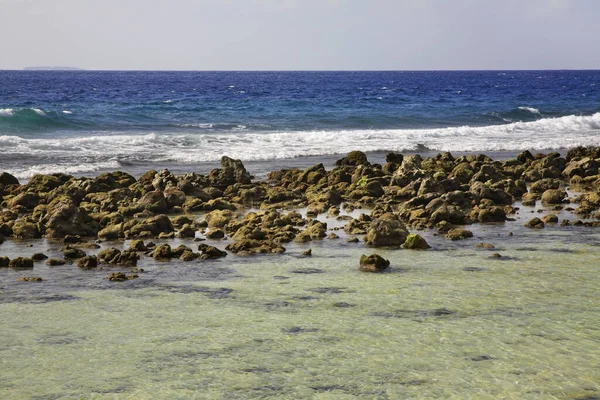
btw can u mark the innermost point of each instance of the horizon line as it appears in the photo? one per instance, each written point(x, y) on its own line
point(77, 69)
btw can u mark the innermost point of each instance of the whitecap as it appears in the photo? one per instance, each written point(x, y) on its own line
point(6, 112)
point(67, 112)
point(530, 109)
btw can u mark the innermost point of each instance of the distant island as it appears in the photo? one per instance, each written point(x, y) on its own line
point(44, 68)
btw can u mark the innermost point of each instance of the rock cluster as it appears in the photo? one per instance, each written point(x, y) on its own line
point(408, 192)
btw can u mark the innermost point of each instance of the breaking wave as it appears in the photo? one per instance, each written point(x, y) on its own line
point(100, 150)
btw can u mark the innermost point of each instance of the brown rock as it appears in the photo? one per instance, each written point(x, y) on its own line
point(373, 263)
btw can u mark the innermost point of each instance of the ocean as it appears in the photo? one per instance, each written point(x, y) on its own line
point(87, 122)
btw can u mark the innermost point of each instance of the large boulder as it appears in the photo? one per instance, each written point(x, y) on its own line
point(64, 218)
point(386, 230)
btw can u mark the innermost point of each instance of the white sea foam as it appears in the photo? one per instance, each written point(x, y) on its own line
point(530, 109)
point(6, 112)
point(38, 111)
point(96, 151)
point(67, 112)
point(28, 172)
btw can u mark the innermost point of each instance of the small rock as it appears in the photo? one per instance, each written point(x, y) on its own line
point(459, 234)
point(138, 245)
point(71, 253)
point(72, 239)
point(4, 261)
point(484, 245)
point(415, 242)
point(550, 219)
point(307, 253)
point(88, 262)
point(373, 263)
point(29, 279)
point(162, 252)
point(21, 263)
point(215, 234)
point(53, 262)
point(121, 277)
point(210, 252)
point(39, 257)
point(535, 223)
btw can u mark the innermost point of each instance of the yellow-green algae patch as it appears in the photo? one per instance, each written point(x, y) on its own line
point(439, 324)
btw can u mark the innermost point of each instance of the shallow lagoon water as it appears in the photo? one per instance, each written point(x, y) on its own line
point(450, 322)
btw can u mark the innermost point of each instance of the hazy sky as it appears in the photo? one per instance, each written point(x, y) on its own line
point(300, 34)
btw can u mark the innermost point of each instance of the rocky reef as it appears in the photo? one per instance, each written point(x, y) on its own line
point(441, 193)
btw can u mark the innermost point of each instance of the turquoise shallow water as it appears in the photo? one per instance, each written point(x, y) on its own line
point(449, 322)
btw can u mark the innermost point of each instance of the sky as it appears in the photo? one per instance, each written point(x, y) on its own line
point(300, 34)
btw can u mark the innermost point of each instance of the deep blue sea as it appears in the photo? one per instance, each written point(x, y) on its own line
point(86, 122)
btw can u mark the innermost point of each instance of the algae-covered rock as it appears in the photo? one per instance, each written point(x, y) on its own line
point(25, 229)
point(39, 257)
point(29, 279)
point(73, 253)
point(386, 230)
point(25, 200)
point(373, 263)
point(112, 232)
point(121, 277)
point(416, 242)
point(154, 201)
point(535, 223)
point(162, 252)
point(553, 196)
point(4, 261)
point(186, 231)
point(53, 262)
point(354, 159)
point(8, 179)
point(21, 263)
point(64, 218)
point(87, 262)
point(251, 246)
point(550, 219)
point(459, 234)
point(210, 252)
